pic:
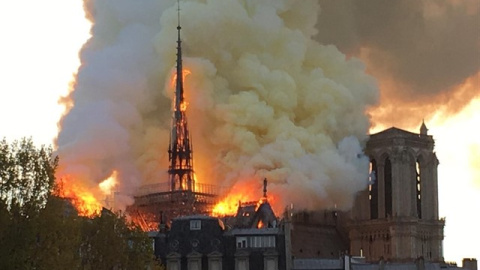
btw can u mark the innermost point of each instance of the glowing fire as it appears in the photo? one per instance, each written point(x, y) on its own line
point(260, 224)
point(247, 191)
point(183, 106)
point(83, 198)
point(185, 73)
point(108, 184)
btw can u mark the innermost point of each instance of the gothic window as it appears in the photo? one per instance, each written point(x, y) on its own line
point(418, 182)
point(373, 190)
point(388, 187)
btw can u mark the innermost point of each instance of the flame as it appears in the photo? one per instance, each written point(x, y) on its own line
point(247, 191)
point(229, 205)
point(183, 106)
point(185, 73)
point(81, 197)
point(84, 199)
point(108, 184)
point(260, 224)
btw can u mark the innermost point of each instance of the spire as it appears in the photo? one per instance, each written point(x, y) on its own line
point(179, 74)
point(180, 148)
point(265, 188)
point(423, 128)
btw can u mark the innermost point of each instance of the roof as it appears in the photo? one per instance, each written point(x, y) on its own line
point(254, 231)
point(195, 217)
point(265, 216)
point(395, 136)
point(393, 131)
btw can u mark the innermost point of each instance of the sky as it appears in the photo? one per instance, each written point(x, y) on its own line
point(424, 54)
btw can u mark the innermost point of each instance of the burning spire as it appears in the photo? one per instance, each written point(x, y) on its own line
point(265, 188)
point(180, 149)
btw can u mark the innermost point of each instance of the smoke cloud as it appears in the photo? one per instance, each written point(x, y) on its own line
point(424, 53)
point(264, 100)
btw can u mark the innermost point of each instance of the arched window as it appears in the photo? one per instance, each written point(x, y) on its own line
point(418, 182)
point(388, 187)
point(373, 190)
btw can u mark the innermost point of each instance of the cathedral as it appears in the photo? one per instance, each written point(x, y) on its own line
point(394, 223)
point(396, 218)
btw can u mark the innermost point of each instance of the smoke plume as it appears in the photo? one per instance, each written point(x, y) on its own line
point(264, 100)
point(425, 54)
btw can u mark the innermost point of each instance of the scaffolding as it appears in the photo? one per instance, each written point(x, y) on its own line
point(156, 205)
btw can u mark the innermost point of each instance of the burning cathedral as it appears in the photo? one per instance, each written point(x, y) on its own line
point(394, 222)
point(275, 104)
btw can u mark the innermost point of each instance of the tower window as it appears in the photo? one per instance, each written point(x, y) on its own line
point(388, 187)
point(373, 190)
point(418, 182)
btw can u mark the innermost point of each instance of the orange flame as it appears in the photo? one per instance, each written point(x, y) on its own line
point(243, 191)
point(183, 106)
point(185, 73)
point(260, 225)
point(83, 198)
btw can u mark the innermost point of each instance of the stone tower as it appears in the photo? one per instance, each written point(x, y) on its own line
point(396, 218)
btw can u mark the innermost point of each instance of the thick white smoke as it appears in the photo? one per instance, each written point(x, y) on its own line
point(265, 99)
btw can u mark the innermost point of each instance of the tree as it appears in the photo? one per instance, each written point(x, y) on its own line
point(110, 242)
point(27, 176)
point(39, 230)
point(57, 236)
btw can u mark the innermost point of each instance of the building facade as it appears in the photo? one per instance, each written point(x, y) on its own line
point(394, 223)
point(202, 242)
point(397, 218)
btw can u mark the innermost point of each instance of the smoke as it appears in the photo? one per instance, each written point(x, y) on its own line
point(265, 99)
point(422, 52)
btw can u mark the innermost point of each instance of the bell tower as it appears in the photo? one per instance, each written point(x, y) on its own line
point(396, 218)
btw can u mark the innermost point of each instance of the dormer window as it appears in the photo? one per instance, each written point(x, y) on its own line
point(195, 225)
point(241, 242)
